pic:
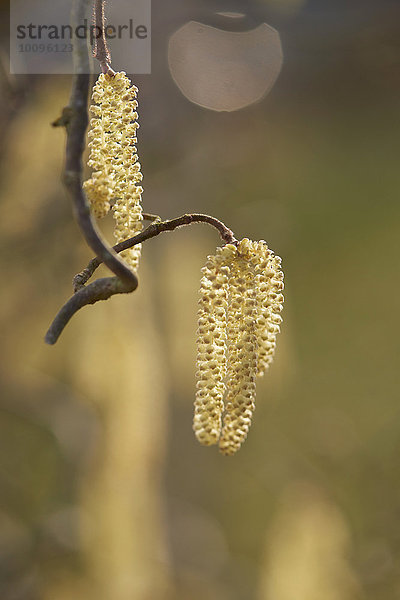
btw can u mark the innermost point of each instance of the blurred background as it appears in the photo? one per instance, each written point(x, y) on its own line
point(104, 491)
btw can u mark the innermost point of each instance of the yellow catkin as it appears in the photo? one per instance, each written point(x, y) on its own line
point(242, 358)
point(211, 359)
point(236, 339)
point(268, 282)
point(116, 170)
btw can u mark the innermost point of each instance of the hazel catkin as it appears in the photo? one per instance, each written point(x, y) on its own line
point(239, 317)
point(116, 171)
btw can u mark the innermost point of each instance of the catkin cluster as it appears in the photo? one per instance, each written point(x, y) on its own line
point(115, 167)
point(239, 317)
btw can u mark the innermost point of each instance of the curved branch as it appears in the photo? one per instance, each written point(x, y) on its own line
point(101, 289)
point(153, 230)
point(76, 129)
point(75, 118)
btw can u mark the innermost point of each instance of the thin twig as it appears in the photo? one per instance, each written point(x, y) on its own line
point(75, 119)
point(72, 178)
point(150, 217)
point(103, 289)
point(76, 128)
point(153, 230)
point(100, 46)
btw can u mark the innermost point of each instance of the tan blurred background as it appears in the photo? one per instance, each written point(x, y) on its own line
point(104, 491)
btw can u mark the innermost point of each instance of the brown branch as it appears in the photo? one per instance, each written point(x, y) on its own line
point(72, 178)
point(103, 289)
point(75, 119)
point(150, 217)
point(151, 231)
point(100, 47)
point(76, 125)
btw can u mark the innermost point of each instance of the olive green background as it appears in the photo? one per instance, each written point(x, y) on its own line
point(104, 490)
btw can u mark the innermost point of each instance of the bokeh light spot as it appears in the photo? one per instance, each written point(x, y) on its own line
point(224, 70)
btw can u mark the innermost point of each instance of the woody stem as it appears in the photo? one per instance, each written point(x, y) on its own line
point(100, 47)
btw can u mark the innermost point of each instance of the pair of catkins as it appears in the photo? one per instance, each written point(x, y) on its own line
point(241, 288)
